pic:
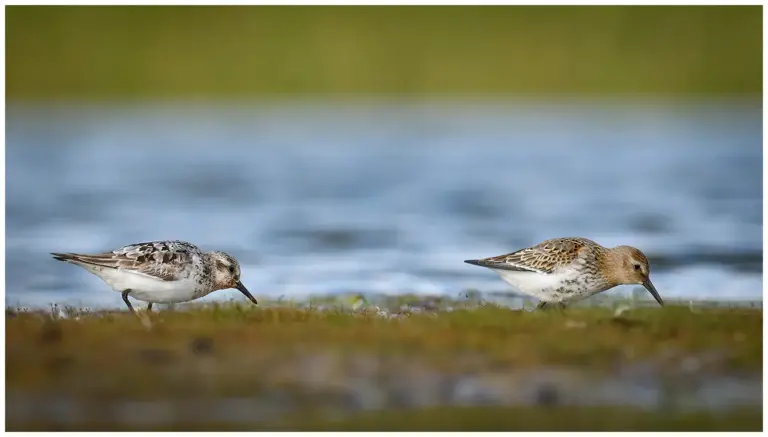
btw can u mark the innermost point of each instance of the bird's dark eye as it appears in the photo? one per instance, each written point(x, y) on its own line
point(231, 269)
point(637, 266)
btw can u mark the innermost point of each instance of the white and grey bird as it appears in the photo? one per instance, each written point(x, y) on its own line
point(162, 271)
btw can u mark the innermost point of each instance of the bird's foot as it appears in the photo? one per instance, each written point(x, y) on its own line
point(145, 319)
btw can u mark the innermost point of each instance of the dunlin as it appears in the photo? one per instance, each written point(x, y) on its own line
point(162, 271)
point(563, 270)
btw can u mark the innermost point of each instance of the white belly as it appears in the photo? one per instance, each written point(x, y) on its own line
point(147, 288)
point(548, 287)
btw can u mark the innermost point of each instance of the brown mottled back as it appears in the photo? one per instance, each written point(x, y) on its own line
point(547, 255)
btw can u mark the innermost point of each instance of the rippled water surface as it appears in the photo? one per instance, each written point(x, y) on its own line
point(384, 197)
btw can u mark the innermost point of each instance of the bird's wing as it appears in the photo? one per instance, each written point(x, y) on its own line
point(163, 260)
point(544, 257)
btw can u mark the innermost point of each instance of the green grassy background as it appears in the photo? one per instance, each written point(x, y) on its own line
point(245, 52)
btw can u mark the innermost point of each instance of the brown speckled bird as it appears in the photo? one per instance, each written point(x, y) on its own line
point(563, 270)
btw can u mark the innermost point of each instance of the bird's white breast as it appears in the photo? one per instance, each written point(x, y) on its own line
point(147, 288)
point(559, 286)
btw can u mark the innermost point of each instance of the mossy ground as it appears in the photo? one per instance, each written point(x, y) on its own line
point(539, 419)
point(235, 350)
point(590, 337)
point(473, 419)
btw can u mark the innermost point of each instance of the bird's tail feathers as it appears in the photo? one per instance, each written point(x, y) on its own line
point(103, 260)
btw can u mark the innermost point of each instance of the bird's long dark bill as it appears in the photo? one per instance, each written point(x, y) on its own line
point(245, 291)
point(649, 286)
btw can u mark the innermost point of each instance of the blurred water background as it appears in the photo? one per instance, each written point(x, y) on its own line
point(386, 197)
point(372, 150)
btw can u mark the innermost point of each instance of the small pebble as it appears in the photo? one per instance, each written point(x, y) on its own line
point(571, 324)
point(547, 396)
point(202, 346)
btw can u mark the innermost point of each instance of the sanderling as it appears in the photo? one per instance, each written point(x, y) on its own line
point(562, 270)
point(162, 271)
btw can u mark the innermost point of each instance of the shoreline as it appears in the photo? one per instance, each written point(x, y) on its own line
point(389, 302)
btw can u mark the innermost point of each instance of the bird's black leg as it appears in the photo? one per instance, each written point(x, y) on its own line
point(144, 319)
point(127, 302)
point(546, 305)
point(149, 307)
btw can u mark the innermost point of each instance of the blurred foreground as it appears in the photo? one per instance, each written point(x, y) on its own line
point(226, 366)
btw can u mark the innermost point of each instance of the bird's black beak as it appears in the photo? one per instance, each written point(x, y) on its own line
point(649, 286)
point(239, 285)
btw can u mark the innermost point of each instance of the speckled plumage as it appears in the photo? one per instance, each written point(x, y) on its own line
point(547, 255)
point(561, 270)
point(162, 271)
